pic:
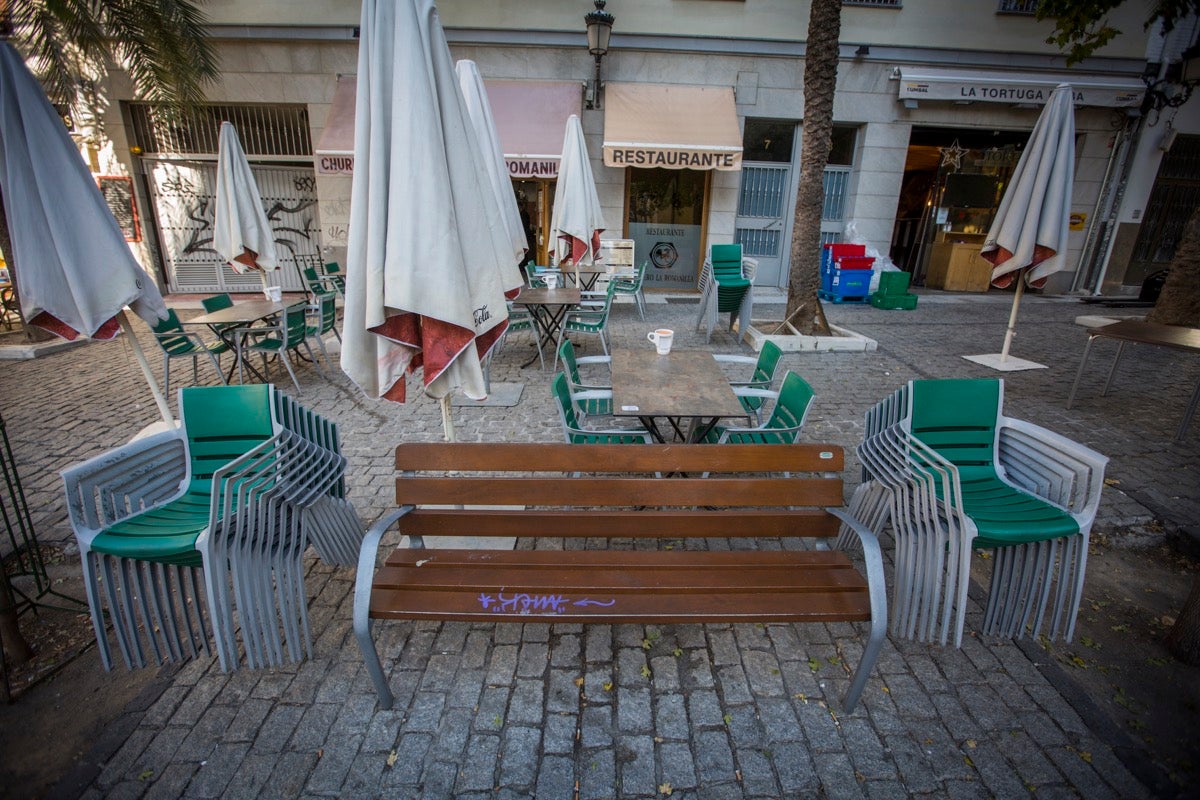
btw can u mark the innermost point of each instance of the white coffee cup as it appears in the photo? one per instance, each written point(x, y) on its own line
point(273, 293)
point(662, 339)
point(551, 280)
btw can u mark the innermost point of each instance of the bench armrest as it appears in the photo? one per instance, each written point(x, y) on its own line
point(876, 586)
point(368, 554)
point(125, 481)
point(1051, 466)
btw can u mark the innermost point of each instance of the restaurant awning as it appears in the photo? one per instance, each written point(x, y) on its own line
point(530, 119)
point(650, 125)
point(968, 86)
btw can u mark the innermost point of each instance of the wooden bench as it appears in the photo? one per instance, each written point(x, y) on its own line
point(778, 493)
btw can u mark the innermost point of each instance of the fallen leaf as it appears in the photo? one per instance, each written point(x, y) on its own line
point(665, 789)
point(391, 759)
point(579, 681)
point(972, 744)
point(146, 775)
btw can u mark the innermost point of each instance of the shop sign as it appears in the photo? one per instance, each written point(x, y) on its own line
point(998, 90)
point(1078, 221)
point(532, 167)
point(328, 164)
point(656, 157)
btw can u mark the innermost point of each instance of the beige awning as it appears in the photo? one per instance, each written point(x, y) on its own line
point(531, 117)
point(335, 148)
point(651, 125)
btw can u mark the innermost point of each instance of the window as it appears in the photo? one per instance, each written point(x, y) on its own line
point(1027, 7)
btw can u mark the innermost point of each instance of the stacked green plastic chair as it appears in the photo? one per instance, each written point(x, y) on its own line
point(783, 426)
point(199, 531)
point(725, 288)
point(960, 476)
point(176, 342)
point(574, 432)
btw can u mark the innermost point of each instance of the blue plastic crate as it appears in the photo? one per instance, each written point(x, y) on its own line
point(849, 282)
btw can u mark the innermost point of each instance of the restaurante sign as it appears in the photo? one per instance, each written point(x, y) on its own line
point(968, 87)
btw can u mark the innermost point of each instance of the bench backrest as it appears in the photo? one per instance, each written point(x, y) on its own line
point(750, 490)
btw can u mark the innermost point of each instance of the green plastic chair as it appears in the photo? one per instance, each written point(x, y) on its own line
point(322, 319)
point(316, 283)
point(633, 286)
point(520, 321)
point(334, 277)
point(762, 375)
point(589, 318)
point(177, 342)
point(288, 336)
point(792, 403)
point(725, 287)
point(575, 433)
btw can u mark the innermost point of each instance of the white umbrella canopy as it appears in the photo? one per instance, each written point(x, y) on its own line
point(475, 95)
point(429, 262)
point(73, 268)
point(1028, 238)
point(242, 234)
point(576, 222)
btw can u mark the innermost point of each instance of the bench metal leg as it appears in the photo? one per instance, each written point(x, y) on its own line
point(873, 562)
point(362, 604)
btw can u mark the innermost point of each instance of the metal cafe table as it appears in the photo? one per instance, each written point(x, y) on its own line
point(547, 307)
point(1174, 337)
point(243, 314)
point(682, 385)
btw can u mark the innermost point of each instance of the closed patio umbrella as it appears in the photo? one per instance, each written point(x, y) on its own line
point(1028, 238)
point(242, 233)
point(429, 261)
point(74, 271)
point(576, 222)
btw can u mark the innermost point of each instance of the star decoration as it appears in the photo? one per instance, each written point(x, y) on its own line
point(953, 154)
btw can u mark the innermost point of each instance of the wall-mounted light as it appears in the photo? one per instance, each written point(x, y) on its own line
point(910, 103)
point(599, 29)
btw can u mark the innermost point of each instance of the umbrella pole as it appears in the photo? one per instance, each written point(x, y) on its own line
point(447, 418)
point(1012, 318)
point(138, 354)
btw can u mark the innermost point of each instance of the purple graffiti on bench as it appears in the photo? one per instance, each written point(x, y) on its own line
point(522, 603)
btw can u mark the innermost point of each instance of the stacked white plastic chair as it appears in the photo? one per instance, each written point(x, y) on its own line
point(919, 492)
point(265, 507)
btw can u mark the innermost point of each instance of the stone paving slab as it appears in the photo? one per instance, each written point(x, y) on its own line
point(559, 711)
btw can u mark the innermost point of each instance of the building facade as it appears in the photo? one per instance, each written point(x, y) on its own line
point(694, 132)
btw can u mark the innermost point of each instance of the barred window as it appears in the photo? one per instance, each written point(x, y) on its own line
point(1028, 7)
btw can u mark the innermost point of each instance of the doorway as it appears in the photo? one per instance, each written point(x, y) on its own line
point(535, 202)
point(952, 185)
point(1175, 195)
point(666, 210)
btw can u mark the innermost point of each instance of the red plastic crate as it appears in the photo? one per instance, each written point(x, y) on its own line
point(854, 262)
point(840, 250)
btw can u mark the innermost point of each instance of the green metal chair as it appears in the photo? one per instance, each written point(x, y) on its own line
point(591, 399)
point(762, 375)
point(590, 318)
point(520, 321)
point(315, 283)
point(334, 277)
point(575, 433)
point(633, 286)
point(322, 319)
point(177, 342)
point(962, 476)
point(289, 335)
point(792, 403)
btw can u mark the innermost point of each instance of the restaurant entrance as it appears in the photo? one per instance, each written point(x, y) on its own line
point(666, 210)
point(535, 201)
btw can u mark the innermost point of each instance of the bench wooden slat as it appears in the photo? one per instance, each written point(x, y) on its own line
point(525, 456)
point(577, 492)
point(681, 523)
point(639, 607)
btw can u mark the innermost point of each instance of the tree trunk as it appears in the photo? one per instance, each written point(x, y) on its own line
point(32, 334)
point(820, 82)
point(1179, 302)
point(1183, 640)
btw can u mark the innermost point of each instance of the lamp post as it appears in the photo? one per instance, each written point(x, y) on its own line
point(599, 29)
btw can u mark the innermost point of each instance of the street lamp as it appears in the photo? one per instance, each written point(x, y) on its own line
point(599, 29)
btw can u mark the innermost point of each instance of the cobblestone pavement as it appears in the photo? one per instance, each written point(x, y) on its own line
point(714, 711)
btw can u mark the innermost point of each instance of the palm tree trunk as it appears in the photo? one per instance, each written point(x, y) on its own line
point(1179, 301)
point(1183, 640)
point(820, 82)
